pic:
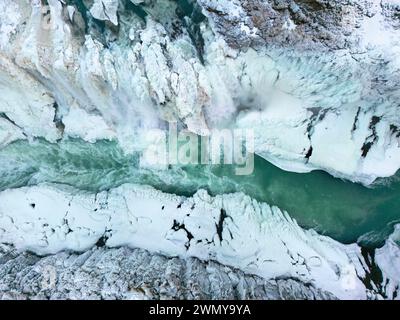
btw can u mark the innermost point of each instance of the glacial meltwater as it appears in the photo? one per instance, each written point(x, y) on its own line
point(343, 210)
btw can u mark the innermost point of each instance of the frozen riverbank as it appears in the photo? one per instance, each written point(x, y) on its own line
point(231, 229)
point(80, 72)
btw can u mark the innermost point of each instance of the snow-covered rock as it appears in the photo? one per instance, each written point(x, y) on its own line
point(233, 230)
point(105, 10)
point(90, 127)
point(332, 88)
point(123, 273)
point(387, 259)
point(9, 132)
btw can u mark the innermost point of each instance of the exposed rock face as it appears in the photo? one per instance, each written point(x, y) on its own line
point(104, 273)
point(316, 24)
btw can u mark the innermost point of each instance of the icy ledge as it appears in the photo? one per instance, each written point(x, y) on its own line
point(233, 230)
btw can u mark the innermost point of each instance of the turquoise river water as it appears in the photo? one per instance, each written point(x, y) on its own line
point(343, 210)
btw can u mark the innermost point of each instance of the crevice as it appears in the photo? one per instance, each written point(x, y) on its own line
point(372, 138)
point(354, 128)
point(220, 225)
point(181, 226)
point(58, 119)
point(317, 114)
point(373, 276)
point(105, 10)
point(102, 241)
point(395, 130)
point(309, 153)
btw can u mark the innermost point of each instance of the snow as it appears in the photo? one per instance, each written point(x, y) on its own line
point(289, 25)
point(9, 133)
point(26, 102)
point(388, 260)
point(80, 124)
point(11, 18)
point(374, 30)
